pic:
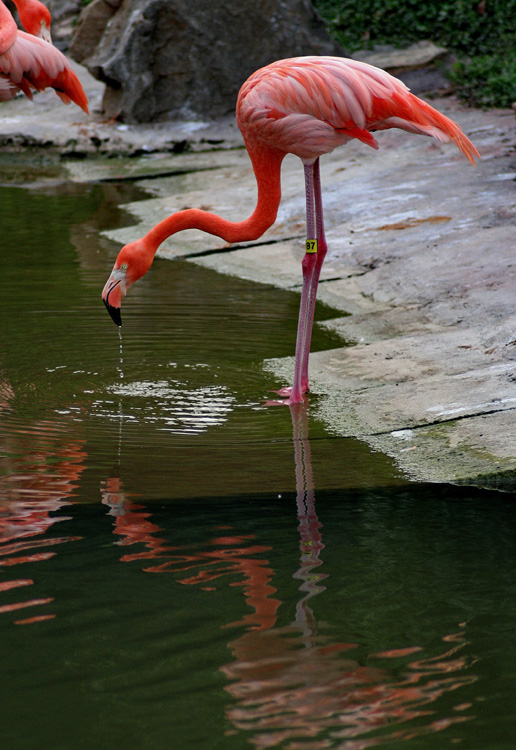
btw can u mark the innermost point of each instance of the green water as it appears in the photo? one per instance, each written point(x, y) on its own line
point(176, 570)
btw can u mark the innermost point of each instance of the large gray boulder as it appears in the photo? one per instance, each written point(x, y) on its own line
point(177, 59)
point(422, 66)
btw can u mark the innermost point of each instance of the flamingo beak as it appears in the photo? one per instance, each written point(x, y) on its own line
point(45, 33)
point(115, 314)
point(113, 294)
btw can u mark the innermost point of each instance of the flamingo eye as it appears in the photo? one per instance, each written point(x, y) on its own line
point(124, 266)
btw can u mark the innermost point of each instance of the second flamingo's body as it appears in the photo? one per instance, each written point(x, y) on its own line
point(28, 61)
point(305, 106)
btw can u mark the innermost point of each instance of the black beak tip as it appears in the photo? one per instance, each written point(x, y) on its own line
point(115, 314)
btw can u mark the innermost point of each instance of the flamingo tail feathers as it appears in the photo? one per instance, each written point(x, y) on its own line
point(413, 114)
point(66, 84)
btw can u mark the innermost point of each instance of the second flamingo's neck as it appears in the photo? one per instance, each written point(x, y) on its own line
point(267, 170)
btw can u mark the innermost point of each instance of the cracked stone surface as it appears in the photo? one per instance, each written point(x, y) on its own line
point(421, 268)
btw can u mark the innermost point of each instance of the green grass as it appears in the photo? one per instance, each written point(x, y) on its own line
point(481, 34)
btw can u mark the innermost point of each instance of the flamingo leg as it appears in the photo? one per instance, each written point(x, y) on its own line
point(311, 265)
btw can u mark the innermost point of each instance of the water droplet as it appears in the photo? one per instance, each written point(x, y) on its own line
point(120, 369)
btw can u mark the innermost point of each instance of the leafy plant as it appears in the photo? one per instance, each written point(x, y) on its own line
point(481, 32)
point(486, 80)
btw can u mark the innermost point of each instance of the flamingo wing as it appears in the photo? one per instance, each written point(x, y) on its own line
point(31, 63)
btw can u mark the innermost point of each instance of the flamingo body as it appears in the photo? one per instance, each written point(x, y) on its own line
point(29, 63)
point(305, 106)
point(308, 106)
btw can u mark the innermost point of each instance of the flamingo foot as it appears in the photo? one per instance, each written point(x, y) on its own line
point(276, 402)
point(285, 391)
point(289, 399)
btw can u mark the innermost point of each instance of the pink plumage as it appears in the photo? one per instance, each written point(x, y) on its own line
point(310, 105)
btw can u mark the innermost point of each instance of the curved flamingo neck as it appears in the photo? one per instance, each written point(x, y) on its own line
point(7, 29)
point(267, 169)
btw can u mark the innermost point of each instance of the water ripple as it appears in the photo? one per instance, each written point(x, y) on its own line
point(171, 404)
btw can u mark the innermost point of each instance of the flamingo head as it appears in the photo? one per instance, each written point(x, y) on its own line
point(133, 261)
point(36, 19)
point(44, 32)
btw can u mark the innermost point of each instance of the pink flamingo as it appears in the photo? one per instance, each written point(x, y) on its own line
point(29, 62)
point(35, 18)
point(305, 106)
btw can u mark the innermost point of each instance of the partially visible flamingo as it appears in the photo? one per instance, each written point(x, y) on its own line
point(28, 62)
point(305, 106)
point(35, 18)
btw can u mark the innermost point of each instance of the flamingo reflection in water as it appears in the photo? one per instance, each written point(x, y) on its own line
point(296, 683)
point(39, 473)
point(131, 522)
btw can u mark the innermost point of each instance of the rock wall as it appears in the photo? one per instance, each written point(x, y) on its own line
point(177, 59)
point(64, 17)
